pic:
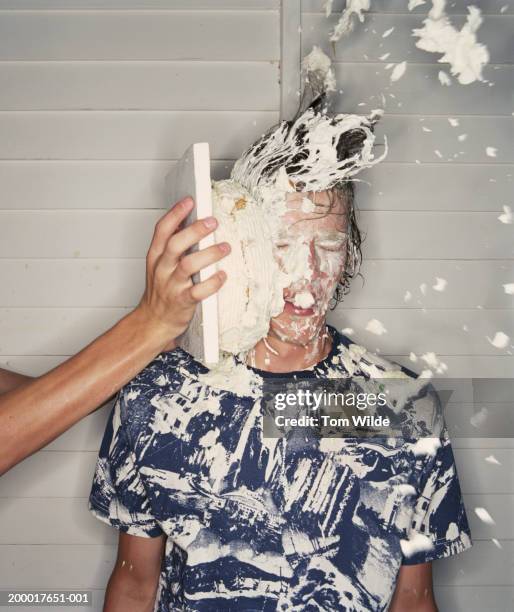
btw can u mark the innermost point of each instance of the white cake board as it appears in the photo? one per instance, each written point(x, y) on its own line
point(191, 176)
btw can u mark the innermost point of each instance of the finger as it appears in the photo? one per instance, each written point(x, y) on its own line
point(167, 225)
point(180, 242)
point(193, 263)
point(208, 287)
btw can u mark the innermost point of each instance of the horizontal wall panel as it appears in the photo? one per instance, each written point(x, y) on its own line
point(499, 415)
point(432, 186)
point(466, 366)
point(361, 45)
point(400, 6)
point(420, 235)
point(120, 283)
point(482, 564)
point(52, 521)
point(469, 283)
point(439, 331)
point(170, 5)
point(474, 598)
point(239, 86)
point(501, 510)
point(408, 141)
point(120, 233)
point(90, 184)
point(140, 184)
point(51, 567)
point(379, 6)
point(139, 85)
point(128, 134)
point(51, 474)
point(68, 331)
point(491, 444)
point(478, 476)
point(53, 331)
point(165, 135)
point(79, 234)
point(69, 474)
point(420, 92)
point(466, 396)
point(104, 283)
point(58, 331)
point(135, 35)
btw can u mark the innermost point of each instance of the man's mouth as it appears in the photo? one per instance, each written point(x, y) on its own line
point(290, 308)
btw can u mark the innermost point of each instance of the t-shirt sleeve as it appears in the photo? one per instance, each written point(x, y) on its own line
point(439, 526)
point(118, 496)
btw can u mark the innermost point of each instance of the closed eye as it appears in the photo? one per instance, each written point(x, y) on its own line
point(331, 246)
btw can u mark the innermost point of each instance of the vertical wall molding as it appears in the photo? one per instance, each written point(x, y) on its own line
point(290, 56)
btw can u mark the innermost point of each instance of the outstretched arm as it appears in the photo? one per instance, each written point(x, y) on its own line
point(35, 413)
point(414, 590)
point(11, 380)
point(134, 579)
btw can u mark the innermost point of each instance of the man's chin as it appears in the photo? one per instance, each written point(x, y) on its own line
point(300, 331)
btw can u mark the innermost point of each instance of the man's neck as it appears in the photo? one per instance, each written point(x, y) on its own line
point(275, 355)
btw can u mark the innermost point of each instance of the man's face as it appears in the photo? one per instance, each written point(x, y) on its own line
point(311, 248)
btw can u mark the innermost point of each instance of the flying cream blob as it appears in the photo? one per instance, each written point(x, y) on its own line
point(313, 152)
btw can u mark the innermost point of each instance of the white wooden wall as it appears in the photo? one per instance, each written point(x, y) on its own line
point(438, 218)
point(97, 98)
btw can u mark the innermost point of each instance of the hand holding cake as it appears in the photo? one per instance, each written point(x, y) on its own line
point(33, 412)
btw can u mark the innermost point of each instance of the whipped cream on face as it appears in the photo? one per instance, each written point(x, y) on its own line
point(313, 152)
point(252, 293)
point(304, 299)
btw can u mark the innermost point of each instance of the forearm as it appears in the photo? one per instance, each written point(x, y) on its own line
point(126, 595)
point(413, 602)
point(414, 590)
point(417, 607)
point(11, 380)
point(34, 414)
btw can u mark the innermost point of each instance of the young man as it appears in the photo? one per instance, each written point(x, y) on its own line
point(213, 516)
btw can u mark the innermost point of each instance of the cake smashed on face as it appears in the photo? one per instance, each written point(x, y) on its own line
point(288, 196)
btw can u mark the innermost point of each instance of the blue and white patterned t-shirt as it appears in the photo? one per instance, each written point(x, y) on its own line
point(257, 524)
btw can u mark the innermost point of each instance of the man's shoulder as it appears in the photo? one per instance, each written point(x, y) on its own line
point(413, 393)
point(170, 374)
point(164, 370)
point(358, 360)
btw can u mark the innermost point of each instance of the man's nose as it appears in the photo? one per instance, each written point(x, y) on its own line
point(314, 260)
